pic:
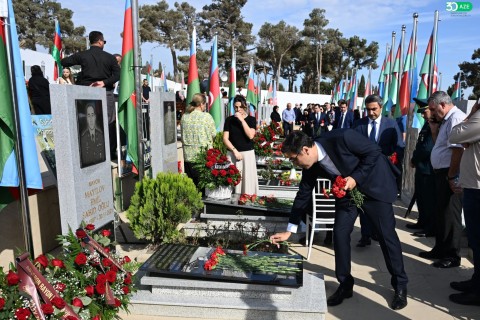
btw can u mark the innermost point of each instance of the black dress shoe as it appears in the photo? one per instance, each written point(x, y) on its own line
point(423, 234)
point(327, 241)
point(399, 299)
point(343, 292)
point(447, 263)
point(363, 242)
point(414, 226)
point(464, 286)
point(430, 255)
point(374, 237)
point(466, 298)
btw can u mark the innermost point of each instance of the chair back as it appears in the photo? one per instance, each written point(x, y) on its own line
point(323, 207)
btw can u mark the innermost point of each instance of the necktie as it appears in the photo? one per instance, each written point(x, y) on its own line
point(373, 132)
point(317, 117)
point(341, 122)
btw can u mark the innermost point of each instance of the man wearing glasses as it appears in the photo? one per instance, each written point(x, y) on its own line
point(99, 69)
point(349, 154)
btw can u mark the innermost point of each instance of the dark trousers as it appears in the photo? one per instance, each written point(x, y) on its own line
point(426, 201)
point(448, 217)
point(365, 225)
point(287, 128)
point(471, 205)
point(383, 223)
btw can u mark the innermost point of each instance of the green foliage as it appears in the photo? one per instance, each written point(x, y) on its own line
point(159, 205)
point(471, 71)
point(218, 143)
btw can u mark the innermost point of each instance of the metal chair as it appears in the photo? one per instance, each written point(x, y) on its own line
point(323, 212)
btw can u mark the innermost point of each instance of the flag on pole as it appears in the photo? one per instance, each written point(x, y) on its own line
point(127, 114)
point(251, 97)
point(215, 105)
point(386, 77)
point(341, 92)
point(57, 52)
point(233, 83)
point(393, 87)
point(381, 79)
point(9, 176)
point(352, 102)
point(456, 95)
point(403, 101)
point(193, 80)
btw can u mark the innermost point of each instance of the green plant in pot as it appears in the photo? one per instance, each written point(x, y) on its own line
point(159, 205)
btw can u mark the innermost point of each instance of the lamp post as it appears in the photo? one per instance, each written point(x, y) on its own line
point(223, 77)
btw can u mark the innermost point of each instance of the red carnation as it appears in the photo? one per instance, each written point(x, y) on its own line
point(22, 314)
point(81, 259)
point(125, 290)
point(106, 233)
point(47, 309)
point(106, 262)
point(128, 279)
point(215, 172)
point(100, 288)
point(58, 263)
point(101, 278)
point(80, 233)
point(106, 249)
point(118, 303)
point(12, 278)
point(2, 303)
point(126, 259)
point(60, 287)
point(76, 302)
point(229, 180)
point(209, 164)
point(58, 302)
point(111, 276)
point(90, 227)
point(42, 260)
point(223, 173)
point(89, 290)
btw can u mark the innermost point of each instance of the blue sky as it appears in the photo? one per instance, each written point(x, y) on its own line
point(373, 20)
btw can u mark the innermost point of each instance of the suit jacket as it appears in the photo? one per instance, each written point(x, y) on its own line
point(355, 156)
point(318, 129)
point(389, 137)
point(347, 123)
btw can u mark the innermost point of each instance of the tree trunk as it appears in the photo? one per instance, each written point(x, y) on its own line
point(174, 58)
point(320, 69)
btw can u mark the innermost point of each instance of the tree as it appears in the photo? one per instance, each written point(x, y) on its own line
point(361, 87)
point(314, 30)
point(471, 70)
point(275, 41)
point(168, 27)
point(36, 25)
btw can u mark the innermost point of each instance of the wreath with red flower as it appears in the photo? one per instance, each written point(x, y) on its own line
point(216, 170)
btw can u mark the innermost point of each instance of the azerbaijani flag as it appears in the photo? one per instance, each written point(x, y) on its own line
point(381, 79)
point(214, 92)
point(57, 52)
point(9, 176)
point(127, 113)
point(386, 76)
point(193, 81)
point(403, 101)
point(352, 94)
point(233, 82)
point(251, 96)
point(456, 90)
point(393, 89)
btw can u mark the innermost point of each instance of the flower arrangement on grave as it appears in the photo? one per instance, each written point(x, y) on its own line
point(264, 201)
point(252, 262)
point(286, 178)
point(216, 170)
point(338, 192)
point(87, 281)
point(262, 147)
point(393, 158)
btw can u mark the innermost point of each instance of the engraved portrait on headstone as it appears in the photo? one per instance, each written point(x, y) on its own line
point(90, 132)
point(170, 128)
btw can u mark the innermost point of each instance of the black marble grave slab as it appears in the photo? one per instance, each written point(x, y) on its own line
point(187, 262)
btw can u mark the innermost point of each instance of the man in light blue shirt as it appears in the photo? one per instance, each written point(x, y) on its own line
point(288, 116)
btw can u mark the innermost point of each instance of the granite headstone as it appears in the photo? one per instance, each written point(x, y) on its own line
point(84, 176)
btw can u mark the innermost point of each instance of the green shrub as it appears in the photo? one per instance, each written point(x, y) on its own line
point(159, 205)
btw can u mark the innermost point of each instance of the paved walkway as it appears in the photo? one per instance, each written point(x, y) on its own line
point(428, 289)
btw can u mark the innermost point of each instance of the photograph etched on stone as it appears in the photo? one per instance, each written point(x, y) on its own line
point(170, 128)
point(90, 132)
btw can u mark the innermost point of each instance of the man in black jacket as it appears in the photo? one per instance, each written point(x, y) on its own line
point(99, 69)
point(348, 154)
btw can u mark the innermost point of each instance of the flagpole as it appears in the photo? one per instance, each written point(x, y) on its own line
point(26, 221)
point(433, 54)
point(138, 97)
point(414, 54)
point(392, 55)
point(400, 72)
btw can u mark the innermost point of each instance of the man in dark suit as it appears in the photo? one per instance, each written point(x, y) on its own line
point(386, 134)
point(343, 118)
point(348, 154)
point(318, 121)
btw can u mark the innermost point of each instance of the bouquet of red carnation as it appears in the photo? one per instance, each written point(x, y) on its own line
point(262, 147)
point(216, 170)
point(339, 192)
point(393, 158)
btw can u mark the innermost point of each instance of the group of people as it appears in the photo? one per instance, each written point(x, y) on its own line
point(447, 155)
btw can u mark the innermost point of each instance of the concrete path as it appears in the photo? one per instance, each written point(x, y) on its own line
point(428, 289)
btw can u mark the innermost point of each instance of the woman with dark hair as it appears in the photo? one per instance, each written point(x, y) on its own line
point(67, 77)
point(238, 133)
point(198, 131)
point(275, 116)
point(38, 89)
